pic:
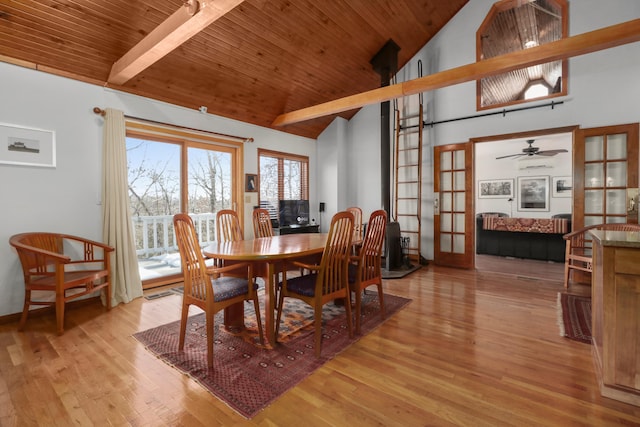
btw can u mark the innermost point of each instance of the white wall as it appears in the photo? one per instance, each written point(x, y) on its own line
point(66, 198)
point(603, 89)
point(491, 168)
point(363, 150)
point(332, 176)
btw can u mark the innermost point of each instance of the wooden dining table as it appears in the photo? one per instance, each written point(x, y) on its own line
point(267, 255)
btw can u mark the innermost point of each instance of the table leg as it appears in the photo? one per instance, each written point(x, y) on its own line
point(234, 318)
point(269, 302)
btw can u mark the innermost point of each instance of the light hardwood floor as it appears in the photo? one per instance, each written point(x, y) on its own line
point(524, 268)
point(472, 349)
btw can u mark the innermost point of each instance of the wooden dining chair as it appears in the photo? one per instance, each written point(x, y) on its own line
point(365, 268)
point(228, 227)
point(208, 287)
point(327, 281)
point(262, 228)
point(579, 251)
point(262, 223)
point(68, 266)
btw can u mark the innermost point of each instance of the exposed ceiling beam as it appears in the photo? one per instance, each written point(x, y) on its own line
point(183, 24)
point(605, 38)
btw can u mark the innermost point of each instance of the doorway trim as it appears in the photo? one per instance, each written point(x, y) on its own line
point(573, 129)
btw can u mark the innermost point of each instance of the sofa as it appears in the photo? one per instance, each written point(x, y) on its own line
point(535, 244)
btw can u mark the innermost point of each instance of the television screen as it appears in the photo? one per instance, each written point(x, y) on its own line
point(293, 212)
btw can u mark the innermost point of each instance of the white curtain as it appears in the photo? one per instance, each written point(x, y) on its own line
point(117, 229)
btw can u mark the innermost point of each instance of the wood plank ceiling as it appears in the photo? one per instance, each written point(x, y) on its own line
point(523, 26)
point(261, 59)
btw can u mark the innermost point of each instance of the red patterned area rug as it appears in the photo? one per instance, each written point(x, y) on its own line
point(574, 317)
point(247, 377)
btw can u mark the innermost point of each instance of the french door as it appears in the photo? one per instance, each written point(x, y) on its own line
point(453, 210)
point(606, 175)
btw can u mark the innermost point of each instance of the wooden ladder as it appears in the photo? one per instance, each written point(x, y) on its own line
point(408, 175)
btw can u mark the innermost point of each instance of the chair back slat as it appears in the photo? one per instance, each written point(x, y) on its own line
point(228, 227)
point(333, 273)
point(34, 262)
point(357, 222)
point(371, 250)
point(262, 223)
point(197, 283)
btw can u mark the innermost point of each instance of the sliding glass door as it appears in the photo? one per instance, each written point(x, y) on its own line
point(168, 175)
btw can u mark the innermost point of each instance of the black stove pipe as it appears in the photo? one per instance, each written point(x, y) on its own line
point(385, 63)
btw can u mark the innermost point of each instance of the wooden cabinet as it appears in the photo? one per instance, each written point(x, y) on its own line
point(615, 303)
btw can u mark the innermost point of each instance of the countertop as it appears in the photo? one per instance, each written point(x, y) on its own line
point(630, 239)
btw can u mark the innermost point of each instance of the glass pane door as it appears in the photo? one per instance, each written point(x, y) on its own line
point(154, 196)
point(452, 241)
point(159, 188)
point(607, 161)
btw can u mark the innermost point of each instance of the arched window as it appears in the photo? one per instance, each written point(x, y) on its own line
point(513, 25)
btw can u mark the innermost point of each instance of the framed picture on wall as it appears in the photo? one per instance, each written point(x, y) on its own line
point(495, 189)
point(533, 193)
point(561, 186)
point(27, 146)
point(250, 183)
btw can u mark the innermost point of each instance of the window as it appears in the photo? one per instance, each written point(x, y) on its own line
point(174, 171)
point(512, 26)
point(536, 90)
point(282, 177)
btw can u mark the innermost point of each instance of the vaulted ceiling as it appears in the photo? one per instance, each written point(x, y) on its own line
point(521, 25)
point(259, 59)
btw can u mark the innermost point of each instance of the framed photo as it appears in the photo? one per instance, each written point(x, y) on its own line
point(495, 189)
point(533, 193)
point(561, 186)
point(21, 145)
point(250, 183)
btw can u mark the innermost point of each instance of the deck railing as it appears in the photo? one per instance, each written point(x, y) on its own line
point(154, 235)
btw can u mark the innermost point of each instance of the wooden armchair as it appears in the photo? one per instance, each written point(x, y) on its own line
point(69, 266)
point(366, 268)
point(210, 288)
point(578, 252)
point(327, 281)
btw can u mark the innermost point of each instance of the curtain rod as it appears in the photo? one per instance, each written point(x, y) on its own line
point(102, 112)
point(504, 112)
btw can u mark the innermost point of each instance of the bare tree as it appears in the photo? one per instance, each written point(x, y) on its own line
point(151, 188)
point(209, 177)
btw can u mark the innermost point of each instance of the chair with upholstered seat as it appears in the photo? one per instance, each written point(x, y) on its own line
point(228, 227)
point(578, 252)
point(208, 287)
point(262, 223)
point(327, 281)
point(365, 268)
point(68, 266)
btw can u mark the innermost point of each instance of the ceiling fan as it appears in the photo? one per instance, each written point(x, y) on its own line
point(534, 151)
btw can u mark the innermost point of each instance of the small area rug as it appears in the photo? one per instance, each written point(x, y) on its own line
point(247, 377)
point(574, 317)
